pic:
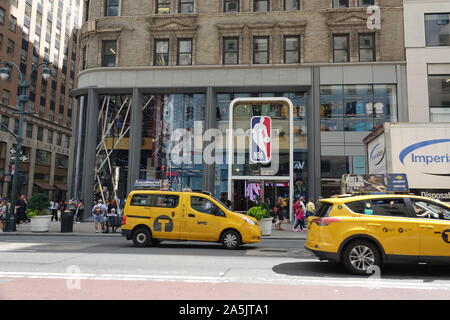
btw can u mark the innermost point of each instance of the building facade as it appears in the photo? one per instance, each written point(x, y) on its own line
point(427, 41)
point(149, 67)
point(33, 31)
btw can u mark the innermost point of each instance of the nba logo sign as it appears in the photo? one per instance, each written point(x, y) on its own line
point(261, 140)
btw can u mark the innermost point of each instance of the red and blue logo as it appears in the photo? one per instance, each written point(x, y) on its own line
point(261, 140)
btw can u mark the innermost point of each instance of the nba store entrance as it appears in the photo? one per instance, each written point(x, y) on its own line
point(260, 157)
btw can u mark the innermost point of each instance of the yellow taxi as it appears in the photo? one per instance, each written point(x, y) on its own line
point(366, 231)
point(151, 216)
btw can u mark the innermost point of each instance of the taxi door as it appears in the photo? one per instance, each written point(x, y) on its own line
point(394, 227)
point(434, 229)
point(166, 216)
point(202, 221)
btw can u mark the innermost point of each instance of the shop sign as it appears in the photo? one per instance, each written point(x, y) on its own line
point(261, 140)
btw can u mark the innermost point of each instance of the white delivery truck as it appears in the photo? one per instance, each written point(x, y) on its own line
point(419, 150)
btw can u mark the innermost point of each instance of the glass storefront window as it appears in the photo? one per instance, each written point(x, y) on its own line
point(300, 102)
point(439, 97)
point(357, 107)
point(168, 120)
point(331, 108)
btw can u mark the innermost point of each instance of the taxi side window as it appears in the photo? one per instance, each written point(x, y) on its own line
point(361, 207)
point(429, 210)
point(155, 200)
point(165, 201)
point(390, 207)
point(205, 206)
point(141, 200)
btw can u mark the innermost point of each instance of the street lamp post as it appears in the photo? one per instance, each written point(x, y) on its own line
point(5, 73)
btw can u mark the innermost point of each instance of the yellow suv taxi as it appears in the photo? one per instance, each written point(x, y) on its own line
point(365, 231)
point(151, 216)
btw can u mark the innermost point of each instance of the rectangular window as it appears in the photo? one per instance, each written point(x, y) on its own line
point(40, 134)
point(437, 29)
point(161, 52)
point(2, 15)
point(231, 6)
point(365, 3)
point(10, 48)
point(184, 52)
point(12, 23)
point(186, 6)
point(43, 158)
point(230, 50)
point(109, 53)
point(341, 48)
point(367, 47)
point(291, 49)
point(163, 6)
point(261, 50)
point(59, 139)
point(261, 5)
point(61, 161)
point(29, 132)
point(1, 41)
point(5, 122)
point(340, 3)
point(5, 97)
point(50, 136)
point(291, 5)
point(439, 96)
point(111, 8)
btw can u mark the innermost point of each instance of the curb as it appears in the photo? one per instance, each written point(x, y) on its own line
point(54, 234)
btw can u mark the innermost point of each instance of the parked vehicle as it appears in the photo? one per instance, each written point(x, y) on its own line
point(372, 230)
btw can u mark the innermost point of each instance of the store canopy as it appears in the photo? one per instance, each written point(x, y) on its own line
point(44, 186)
point(61, 187)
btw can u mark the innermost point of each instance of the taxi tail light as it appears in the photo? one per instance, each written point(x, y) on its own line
point(124, 220)
point(323, 222)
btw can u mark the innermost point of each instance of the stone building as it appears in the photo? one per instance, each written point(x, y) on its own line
point(150, 66)
point(32, 32)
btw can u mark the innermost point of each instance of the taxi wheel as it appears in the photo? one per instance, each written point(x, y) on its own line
point(360, 256)
point(142, 238)
point(231, 239)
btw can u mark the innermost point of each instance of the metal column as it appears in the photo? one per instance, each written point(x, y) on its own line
point(134, 150)
point(90, 151)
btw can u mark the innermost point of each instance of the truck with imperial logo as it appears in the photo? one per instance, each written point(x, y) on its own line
point(419, 150)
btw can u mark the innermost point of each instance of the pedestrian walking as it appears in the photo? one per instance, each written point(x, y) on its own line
point(79, 211)
point(279, 214)
point(72, 207)
point(54, 210)
point(310, 210)
point(299, 213)
point(21, 210)
point(4, 212)
point(98, 211)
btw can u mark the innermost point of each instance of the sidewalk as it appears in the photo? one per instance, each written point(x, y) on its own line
point(87, 229)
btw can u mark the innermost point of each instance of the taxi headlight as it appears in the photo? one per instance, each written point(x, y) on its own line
point(249, 220)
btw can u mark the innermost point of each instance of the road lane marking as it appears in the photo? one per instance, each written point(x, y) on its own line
point(285, 280)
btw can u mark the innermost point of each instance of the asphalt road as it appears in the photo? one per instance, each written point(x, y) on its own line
point(96, 267)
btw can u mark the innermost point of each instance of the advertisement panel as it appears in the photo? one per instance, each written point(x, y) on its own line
point(375, 183)
point(438, 194)
point(423, 153)
point(376, 152)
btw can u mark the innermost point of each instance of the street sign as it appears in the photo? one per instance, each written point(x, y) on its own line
point(12, 150)
point(23, 158)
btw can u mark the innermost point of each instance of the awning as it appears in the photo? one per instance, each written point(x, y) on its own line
point(44, 186)
point(62, 187)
